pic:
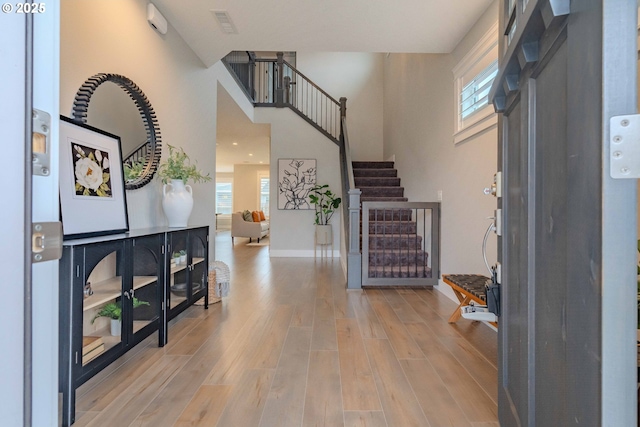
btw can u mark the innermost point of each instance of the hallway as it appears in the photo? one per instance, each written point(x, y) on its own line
point(290, 346)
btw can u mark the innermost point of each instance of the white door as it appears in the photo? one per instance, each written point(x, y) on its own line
point(29, 315)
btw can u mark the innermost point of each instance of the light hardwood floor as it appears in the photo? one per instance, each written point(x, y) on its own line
point(291, 347)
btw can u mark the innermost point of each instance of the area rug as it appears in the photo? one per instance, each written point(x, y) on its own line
point(263, 242)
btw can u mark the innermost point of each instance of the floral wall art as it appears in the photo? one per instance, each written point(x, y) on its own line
point(91, 170)
point(296, 178)
point(92, 196)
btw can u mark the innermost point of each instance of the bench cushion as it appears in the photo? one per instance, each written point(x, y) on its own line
point(472, 283)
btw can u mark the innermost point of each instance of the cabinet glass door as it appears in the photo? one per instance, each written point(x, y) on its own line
point(102, 303)
point(146, 293)
point(178, 271)
point(198, 247)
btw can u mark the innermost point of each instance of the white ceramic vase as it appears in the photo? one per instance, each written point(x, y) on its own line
point(116, 327)
point(177, 202)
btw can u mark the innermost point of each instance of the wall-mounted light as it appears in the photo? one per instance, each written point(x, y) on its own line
point(156, 19)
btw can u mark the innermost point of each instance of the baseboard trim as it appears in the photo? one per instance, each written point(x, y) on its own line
point(300, 253)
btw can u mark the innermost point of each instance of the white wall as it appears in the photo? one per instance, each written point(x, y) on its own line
point(291, 137)
point(418, 129)
point(359, 77)
point(113, 36)
point(246, 187)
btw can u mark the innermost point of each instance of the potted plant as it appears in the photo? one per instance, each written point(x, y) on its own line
point(113, 311)
point(175, 172)
point(183, 256)
point(325, 203)
point(175, 258)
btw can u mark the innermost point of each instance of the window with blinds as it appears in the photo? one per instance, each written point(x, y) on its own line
point(264, 194)
point(224, 197)
point(475, 94)
point(473, 77)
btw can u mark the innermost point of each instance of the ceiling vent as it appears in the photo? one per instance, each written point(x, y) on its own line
point(225, 22)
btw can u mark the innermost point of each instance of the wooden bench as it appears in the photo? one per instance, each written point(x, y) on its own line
point(467, 288)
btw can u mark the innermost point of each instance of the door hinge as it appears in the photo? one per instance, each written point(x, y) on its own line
point(624, 147)
point(46, 241)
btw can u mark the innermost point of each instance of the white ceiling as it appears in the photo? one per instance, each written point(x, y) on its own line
point(409, 26)
point(418, 26)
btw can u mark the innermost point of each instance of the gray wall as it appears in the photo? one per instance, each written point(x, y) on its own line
point(359, 77)
point(418, 129)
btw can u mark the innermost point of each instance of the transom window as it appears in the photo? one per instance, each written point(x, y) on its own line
point(473, 78)
point(475, 94)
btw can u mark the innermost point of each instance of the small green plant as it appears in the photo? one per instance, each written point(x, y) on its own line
point(175, 255)
point(183, 252)
point(178, 166)
point(325, 203)
point(113, 310)
point(133, 170)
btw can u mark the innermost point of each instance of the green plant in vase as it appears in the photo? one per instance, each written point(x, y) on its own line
point(325, 203)
point(177, 196)
point(178, 166)
point(113, 310)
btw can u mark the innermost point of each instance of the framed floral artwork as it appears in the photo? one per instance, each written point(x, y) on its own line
point(296, 178)
point(92, 197)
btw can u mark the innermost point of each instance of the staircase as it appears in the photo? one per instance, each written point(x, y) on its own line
point(389, 240)
point(394, 242)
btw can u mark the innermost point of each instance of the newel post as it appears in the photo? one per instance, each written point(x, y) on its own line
point(280, 80)
point(354, 256)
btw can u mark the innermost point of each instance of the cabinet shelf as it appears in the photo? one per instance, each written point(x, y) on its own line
point(119, 258)
point(111, 289)
point(179, 267)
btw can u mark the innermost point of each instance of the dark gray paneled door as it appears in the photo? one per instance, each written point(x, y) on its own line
point(566, 345)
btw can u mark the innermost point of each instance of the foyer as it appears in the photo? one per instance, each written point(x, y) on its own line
point(290, 346)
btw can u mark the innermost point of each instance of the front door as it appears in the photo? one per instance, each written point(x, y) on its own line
point(567, 332)
point(29, 64)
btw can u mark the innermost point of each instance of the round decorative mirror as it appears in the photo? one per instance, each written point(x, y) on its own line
point(111, 111)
